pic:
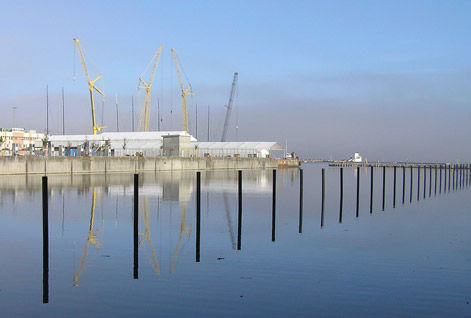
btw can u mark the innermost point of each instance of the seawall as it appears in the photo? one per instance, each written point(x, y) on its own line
point(30, 165)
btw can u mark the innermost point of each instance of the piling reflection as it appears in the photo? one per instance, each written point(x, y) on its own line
point(175, 188)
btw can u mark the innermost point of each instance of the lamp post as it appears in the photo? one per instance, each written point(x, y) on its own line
point(14, 120)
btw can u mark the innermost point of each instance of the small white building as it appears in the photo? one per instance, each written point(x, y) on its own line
point(355, 158)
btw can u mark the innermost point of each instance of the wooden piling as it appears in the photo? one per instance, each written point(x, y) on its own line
point(198, 215)
point(384, 185)
point(239, 219)
point(403, 183)
point(358, 192)
point(273, 220)
point(136, 227)
point(301, 191)
point(323, 197)
point(371, 190)
point(411, 183)
point(394, 188)
point(418, 183)
point(341, 195)
point(45, 240)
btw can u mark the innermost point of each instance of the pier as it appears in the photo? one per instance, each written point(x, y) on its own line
point(35, 165)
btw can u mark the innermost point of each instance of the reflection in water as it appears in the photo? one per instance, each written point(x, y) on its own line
point(91, 239)
point(183, 230)
point(350, 249)
point(229, 220)
point(146, 235)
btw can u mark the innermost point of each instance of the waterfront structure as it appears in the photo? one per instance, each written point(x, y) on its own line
point(154, 144)
point(355, 158)
point(237, 149)
point(18, 141)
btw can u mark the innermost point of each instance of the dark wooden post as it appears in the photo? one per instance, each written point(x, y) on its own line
point(136, 227)
point(239, 219)
point(45, 240)
point(273, 220)
point(198, 215)
point(371, 190)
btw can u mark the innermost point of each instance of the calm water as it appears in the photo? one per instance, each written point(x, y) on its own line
point(413, 259)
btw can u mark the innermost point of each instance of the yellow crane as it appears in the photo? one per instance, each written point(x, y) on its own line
point(91, 87)
point(185, 91)
point(145, 112)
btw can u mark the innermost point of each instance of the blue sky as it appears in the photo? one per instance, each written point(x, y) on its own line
point(390, 79)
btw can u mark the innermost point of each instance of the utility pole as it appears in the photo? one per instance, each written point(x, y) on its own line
point(47, 110)
point(158, 114)
point(14, 120)
point(132, 103)
point(117, 114)
point(63, 112)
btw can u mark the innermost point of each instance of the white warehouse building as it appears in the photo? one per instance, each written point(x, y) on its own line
point(152, 144)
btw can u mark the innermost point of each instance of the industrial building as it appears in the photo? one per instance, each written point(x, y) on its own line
point(153, 144)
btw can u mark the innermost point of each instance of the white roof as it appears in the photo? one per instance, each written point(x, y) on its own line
point(248, 145)
point(150, 136)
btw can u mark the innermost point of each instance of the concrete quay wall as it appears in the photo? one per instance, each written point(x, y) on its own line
point(85, 165)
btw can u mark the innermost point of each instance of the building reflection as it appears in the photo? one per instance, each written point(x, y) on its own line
point(166, 187)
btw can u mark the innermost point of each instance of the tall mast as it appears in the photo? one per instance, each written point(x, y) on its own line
point(47, 110)
point(63, 112)
point(117, 114)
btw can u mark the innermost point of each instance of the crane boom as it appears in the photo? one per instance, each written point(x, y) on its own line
point(229, 108)
point(91, 87)
point(145, 112)
point(184, 93)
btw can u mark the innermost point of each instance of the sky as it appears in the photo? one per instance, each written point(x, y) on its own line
point(388, 79)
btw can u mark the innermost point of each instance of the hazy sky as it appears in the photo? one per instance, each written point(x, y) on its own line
point(389, 79)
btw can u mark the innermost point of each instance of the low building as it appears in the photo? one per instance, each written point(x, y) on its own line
point(236, 149)
point(355, 158)
point(18, 141)
point(147, 144)
point(153, 144)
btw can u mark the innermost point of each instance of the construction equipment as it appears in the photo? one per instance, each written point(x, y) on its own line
point(145, 111)
point(91, 87)
point(229, 107)
point(185, 91)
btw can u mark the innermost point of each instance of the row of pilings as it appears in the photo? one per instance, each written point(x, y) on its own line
point(447, 178)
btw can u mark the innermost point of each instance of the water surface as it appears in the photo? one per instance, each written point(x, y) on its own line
point(411, 259)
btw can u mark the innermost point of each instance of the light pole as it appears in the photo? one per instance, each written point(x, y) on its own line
point(14, 120)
